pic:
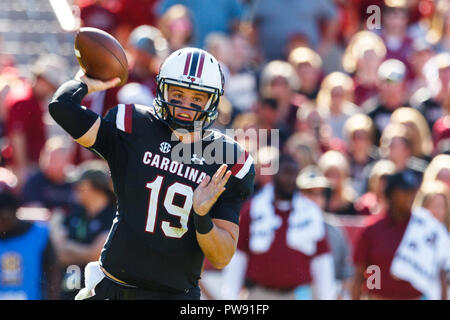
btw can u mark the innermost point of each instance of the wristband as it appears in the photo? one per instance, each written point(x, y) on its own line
point(203, 224)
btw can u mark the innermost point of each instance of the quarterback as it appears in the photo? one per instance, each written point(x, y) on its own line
point(171, 214)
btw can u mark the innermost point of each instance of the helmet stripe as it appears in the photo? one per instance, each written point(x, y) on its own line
point(200, 66)
point(187, 63)
point(194, 64)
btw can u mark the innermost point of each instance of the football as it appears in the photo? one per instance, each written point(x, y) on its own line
point(100, 55)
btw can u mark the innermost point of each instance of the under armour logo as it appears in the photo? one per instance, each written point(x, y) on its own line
point(200, 160)
point(165, 147)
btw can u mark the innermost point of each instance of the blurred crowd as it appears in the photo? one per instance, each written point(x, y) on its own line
point(359, 91)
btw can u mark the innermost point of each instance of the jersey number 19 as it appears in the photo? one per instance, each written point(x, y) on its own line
point(182, 212)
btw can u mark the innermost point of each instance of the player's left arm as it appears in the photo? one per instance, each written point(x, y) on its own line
point(216, 236)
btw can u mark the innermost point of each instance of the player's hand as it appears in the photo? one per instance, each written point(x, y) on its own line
point(209, 190)
point(94, 84)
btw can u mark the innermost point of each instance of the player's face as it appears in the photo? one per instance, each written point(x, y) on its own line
point(186, 98)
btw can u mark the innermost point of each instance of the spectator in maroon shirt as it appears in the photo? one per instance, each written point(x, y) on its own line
point(273, 268)
point(25, 127)
point(379, 241)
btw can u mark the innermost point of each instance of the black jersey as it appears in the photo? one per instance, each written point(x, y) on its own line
point(152, 241)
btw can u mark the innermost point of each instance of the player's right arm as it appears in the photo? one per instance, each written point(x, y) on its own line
point(81, 123)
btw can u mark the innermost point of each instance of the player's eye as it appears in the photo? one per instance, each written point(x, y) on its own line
point(198, 99)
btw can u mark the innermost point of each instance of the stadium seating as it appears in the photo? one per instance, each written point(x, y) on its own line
point(29, 28)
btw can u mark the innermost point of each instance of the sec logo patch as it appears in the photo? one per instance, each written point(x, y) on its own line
point(165, 147)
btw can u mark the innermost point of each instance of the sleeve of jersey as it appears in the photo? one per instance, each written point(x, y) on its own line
point(65, 108)
point(118, 120)
point(238, 189)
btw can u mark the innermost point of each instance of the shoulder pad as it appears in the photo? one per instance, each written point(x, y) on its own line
point(128, 117)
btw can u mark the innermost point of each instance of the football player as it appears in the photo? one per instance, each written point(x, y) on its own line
point(171, 212)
